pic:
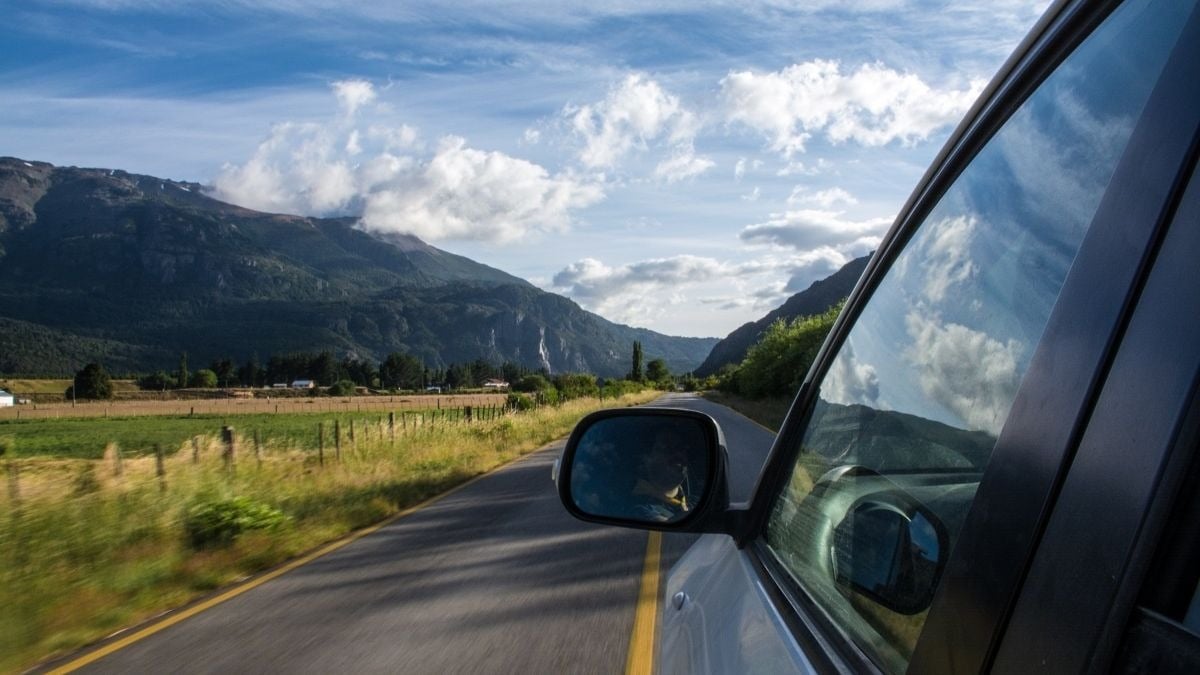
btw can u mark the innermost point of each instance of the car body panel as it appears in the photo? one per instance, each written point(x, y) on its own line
point(726, 622)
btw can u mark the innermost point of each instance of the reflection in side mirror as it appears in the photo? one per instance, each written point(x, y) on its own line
point(640, 466)
point(890, 555)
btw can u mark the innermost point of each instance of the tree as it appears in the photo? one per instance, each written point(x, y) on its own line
point(91, 382)
point(251, 374)
point(656, 371)
point(323, 369)
point(204, 379)
point(181, 376)
point(159, 381)
point(225, 371)
point(635, 372)
point(342, 388)
point(401, 371)
point(778, 363)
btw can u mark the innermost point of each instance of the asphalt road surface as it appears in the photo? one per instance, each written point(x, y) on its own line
point(495, 577)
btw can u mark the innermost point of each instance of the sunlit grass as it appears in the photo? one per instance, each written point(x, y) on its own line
point(88, 546)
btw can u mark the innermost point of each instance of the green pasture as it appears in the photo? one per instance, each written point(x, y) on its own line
point(86, 438)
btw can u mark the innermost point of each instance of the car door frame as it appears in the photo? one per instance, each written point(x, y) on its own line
point(984, 575)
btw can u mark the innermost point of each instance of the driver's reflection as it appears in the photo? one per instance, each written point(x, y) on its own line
point(660, 492)
point(637, 471)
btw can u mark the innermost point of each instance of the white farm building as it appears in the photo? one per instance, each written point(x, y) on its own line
point(6, 399)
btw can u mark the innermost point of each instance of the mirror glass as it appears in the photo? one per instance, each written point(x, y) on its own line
point(890, 556)
point(641, 468)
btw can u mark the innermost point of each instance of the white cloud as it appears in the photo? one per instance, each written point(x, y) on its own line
point(796, 168)
point(947, 256)
point(635, 113)
point(971, 374)
point(808, 229)
point(458, 193)
point(739, 169)
point(636, 292)
point(753, 195)
point(299, 169)
point(353, 94)
point(682, 165)
point(873, 105)
point(824, 199)
point(850, 381)
point(464, 193)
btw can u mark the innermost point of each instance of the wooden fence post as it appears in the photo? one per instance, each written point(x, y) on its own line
point(352, 441)
point(392, 425)
point(467, 413)
point(230, 449)
point(195, 449)
point(320, 443)
point(159, 469)
point(337, 440)
point(258, 447)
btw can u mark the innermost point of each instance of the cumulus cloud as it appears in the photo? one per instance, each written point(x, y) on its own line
point(872, 105)
point(464, 193)
point(300, 169)
point(353, 94)
point(851, 381)
point(971, 374)
point(636, 114)
point(809, 229)
point(380, 174)
point(947, 256)
point(637, 291)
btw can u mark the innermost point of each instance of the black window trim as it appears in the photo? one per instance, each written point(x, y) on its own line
point(1064, 26)
point(1094, 602)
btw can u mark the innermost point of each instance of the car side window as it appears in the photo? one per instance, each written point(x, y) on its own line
point(912, 404)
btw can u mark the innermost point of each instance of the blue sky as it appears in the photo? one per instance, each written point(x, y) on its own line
point(682, 166)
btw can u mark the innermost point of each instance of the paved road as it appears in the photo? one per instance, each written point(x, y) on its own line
point(493, 578)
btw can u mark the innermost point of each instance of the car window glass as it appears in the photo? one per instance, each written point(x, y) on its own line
point(916, 396)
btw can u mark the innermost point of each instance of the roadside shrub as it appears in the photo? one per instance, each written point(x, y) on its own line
point(519, 402)
point(576, 385)
point(778, 363)
point(531, 383)
point(211, 523)
point(617, 388)
point(342, 388)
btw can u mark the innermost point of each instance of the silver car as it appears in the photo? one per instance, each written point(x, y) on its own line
point(991, 465)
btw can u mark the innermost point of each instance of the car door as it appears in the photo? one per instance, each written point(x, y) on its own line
point(906, 495)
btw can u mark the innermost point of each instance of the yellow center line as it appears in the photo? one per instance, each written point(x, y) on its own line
point(174, 618)
point(645, 621)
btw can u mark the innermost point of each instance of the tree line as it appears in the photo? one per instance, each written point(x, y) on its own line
point(397, 371)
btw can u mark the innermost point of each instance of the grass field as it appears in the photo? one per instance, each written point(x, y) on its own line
point(91, 545)
point(87, 438)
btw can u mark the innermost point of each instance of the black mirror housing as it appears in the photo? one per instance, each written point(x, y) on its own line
point(647, 468)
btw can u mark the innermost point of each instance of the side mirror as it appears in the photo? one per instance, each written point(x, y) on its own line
point(651, 468)
point(890, 553)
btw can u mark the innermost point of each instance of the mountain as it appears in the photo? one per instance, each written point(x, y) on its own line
point(815, 299)
point(131, 270)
